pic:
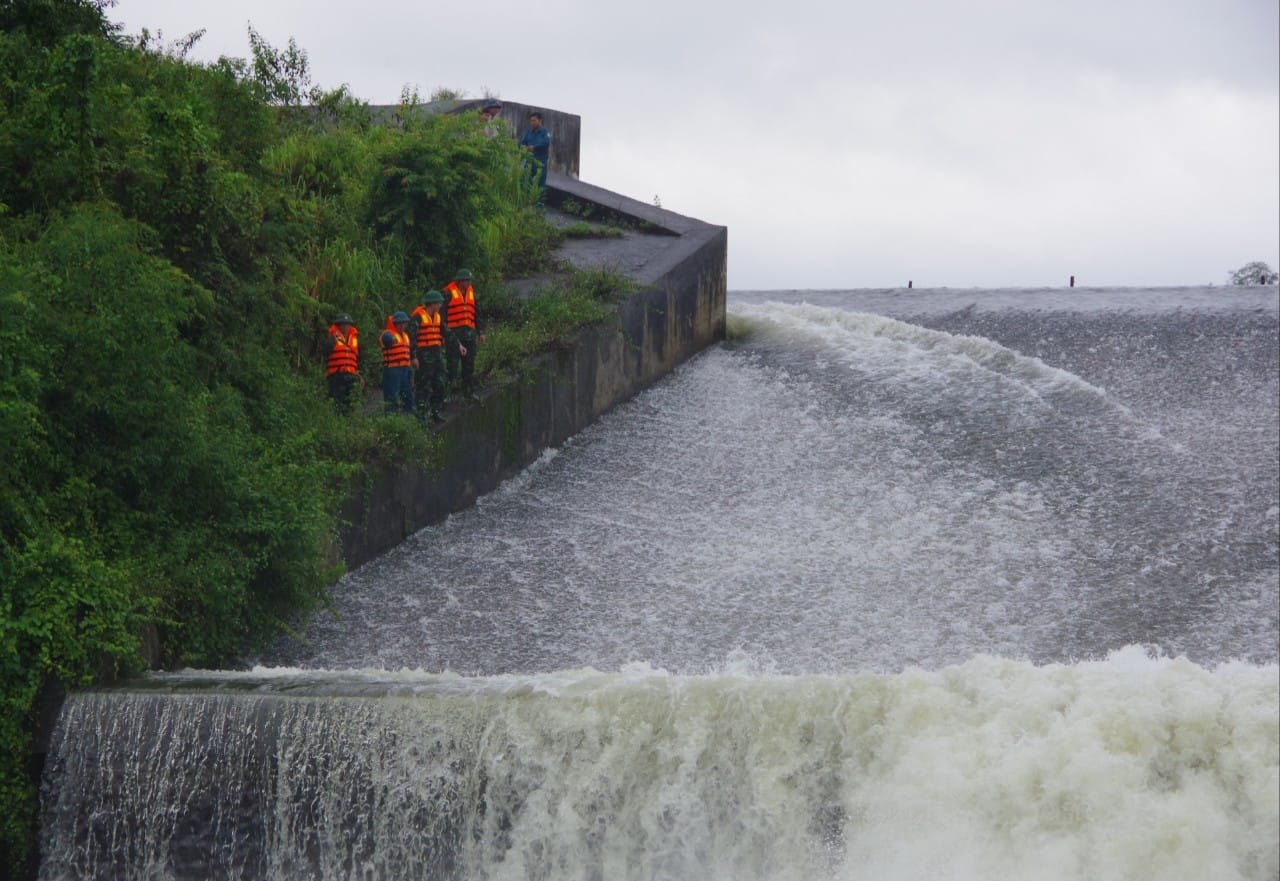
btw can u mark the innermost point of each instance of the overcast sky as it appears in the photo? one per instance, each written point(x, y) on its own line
point(996, 143)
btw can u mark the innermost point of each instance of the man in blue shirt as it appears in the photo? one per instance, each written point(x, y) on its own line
point(537, 140)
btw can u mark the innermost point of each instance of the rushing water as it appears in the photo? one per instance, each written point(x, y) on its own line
point(947, 584)
point(838, 491)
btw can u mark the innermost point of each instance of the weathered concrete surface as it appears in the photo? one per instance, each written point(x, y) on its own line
point(680, 264)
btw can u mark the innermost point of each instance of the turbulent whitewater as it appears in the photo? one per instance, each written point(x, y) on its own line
point(1127, 768)
point(947, 584)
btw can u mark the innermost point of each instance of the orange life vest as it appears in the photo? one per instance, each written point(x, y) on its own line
point(430, 333)
point(460, 305)
point(345, 357)
point(397, 354)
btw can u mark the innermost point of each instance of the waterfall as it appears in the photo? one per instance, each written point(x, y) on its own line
point(1130, 767)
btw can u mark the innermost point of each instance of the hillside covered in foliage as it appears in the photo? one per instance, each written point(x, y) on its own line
point(175, 238)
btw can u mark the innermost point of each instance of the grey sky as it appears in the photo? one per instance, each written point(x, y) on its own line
point(984, 143)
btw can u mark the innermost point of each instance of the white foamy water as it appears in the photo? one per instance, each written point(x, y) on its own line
point(1128, 768)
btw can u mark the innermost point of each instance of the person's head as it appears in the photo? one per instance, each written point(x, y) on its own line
point(535, 120)
point(344, 322)
point(462, 277)
point(490, 109)
point(400, 319)
point(431, 301)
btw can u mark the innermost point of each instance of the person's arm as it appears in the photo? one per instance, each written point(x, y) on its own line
point(451, 340)
point(415, 327)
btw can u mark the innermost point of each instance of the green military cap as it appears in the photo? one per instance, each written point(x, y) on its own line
point(463, 275)
point(433, 297)
point(343, 318)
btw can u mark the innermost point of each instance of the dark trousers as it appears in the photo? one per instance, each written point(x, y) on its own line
point(341, 386)
point(462, 368)
point(397, 389)
point(429, 378)
point(538, 177)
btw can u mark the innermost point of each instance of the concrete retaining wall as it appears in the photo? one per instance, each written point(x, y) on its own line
point(679, 311)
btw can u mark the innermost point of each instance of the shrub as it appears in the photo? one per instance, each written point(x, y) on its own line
point(550, 318)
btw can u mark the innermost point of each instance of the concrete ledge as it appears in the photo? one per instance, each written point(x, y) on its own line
point(679, 311)
point(562, 188)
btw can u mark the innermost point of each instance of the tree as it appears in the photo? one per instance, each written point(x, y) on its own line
point(1254, 273)
point(283, 76)
point(436, 184)
point(48, 22)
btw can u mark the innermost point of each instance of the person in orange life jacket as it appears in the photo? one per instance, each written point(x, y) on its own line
point(397, 365)
point(462, 335)
point(342, 362)
point(427, 330)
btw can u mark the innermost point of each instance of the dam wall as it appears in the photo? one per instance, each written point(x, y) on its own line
point(679, 265)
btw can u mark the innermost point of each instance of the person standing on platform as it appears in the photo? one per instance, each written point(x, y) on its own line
point(537, 140)
point(489, 117)
point(462, 335)
point(342, 362)
point(397, 366)
point(427, 329)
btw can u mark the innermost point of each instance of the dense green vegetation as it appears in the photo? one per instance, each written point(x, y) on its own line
point(174, 240)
